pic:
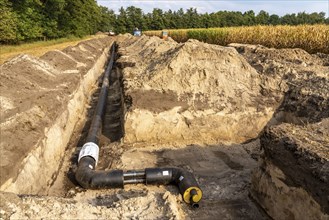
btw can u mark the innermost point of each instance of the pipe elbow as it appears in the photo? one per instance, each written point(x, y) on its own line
point(88, 178)
point(84, 174)
point(188, 186)
point(186, 182)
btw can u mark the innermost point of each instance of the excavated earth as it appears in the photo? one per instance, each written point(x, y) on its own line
point(250, 122)
point(292, 179)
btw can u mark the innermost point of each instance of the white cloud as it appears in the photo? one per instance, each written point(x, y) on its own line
point(279, 7)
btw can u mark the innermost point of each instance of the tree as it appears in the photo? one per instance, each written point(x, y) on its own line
point(107, 19)
point(249, 18)
point(192, 18)
point(121, 21)
point(289, 19)
point(316, 18)
point(8, 27)
point(52, 11)
point(170, 19)
point(274, 20)
point(29, 19)
point(81, 17)
point(157, 22)
point(206, 21)
point(135, 18)
point(179, 18)
point(262, 18)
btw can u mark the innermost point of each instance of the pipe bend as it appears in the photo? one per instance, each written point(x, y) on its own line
point(89, 178)
point(188, 186)
point(184, 180)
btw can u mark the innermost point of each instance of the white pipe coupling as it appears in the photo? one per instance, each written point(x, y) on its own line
point(89, 149)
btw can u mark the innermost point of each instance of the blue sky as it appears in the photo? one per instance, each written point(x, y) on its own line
point(280, 7)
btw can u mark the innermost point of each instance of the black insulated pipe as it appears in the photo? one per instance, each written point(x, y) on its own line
point(96, 123)
point(88, 177)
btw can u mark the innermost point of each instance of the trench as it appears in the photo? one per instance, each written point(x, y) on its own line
point(223, 171)
point(112, 132)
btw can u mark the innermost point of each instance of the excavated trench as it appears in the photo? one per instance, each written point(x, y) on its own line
point(217, 165)
point(112, 132)
point(242, 136)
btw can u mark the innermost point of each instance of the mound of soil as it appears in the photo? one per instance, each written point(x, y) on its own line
point(211, 94)
point(194, 71)
point(39, 94)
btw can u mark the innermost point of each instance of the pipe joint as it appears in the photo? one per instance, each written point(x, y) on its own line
point(89, 149)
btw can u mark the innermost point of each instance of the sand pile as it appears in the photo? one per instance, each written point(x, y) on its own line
point(191, 93)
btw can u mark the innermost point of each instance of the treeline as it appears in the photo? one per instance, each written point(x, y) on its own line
point(28, 20)
point(132, 17)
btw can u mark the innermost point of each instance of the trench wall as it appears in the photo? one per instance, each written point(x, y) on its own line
point(39, 159)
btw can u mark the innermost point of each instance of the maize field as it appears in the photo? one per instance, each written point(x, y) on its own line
point(312, 38)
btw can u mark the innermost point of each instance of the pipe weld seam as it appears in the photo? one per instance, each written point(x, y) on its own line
point(89, 149)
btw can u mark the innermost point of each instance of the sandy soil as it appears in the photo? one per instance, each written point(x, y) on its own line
point(208, 98)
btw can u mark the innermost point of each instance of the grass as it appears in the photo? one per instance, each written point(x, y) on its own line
point(312, 38)
point(40, 47)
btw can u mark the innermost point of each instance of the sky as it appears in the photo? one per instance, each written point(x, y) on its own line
point(279, 7)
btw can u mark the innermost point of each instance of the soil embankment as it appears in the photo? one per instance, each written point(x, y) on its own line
point(293, 173)
point(41, 101)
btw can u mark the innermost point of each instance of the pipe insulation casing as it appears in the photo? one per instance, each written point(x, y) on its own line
point(189, 188)
point(89, 149)
point(186, 182)
point(158, 176)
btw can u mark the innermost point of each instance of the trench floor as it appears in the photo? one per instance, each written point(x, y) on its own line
point(223, 172)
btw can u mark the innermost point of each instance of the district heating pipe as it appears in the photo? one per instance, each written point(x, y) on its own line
point(88, 177)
